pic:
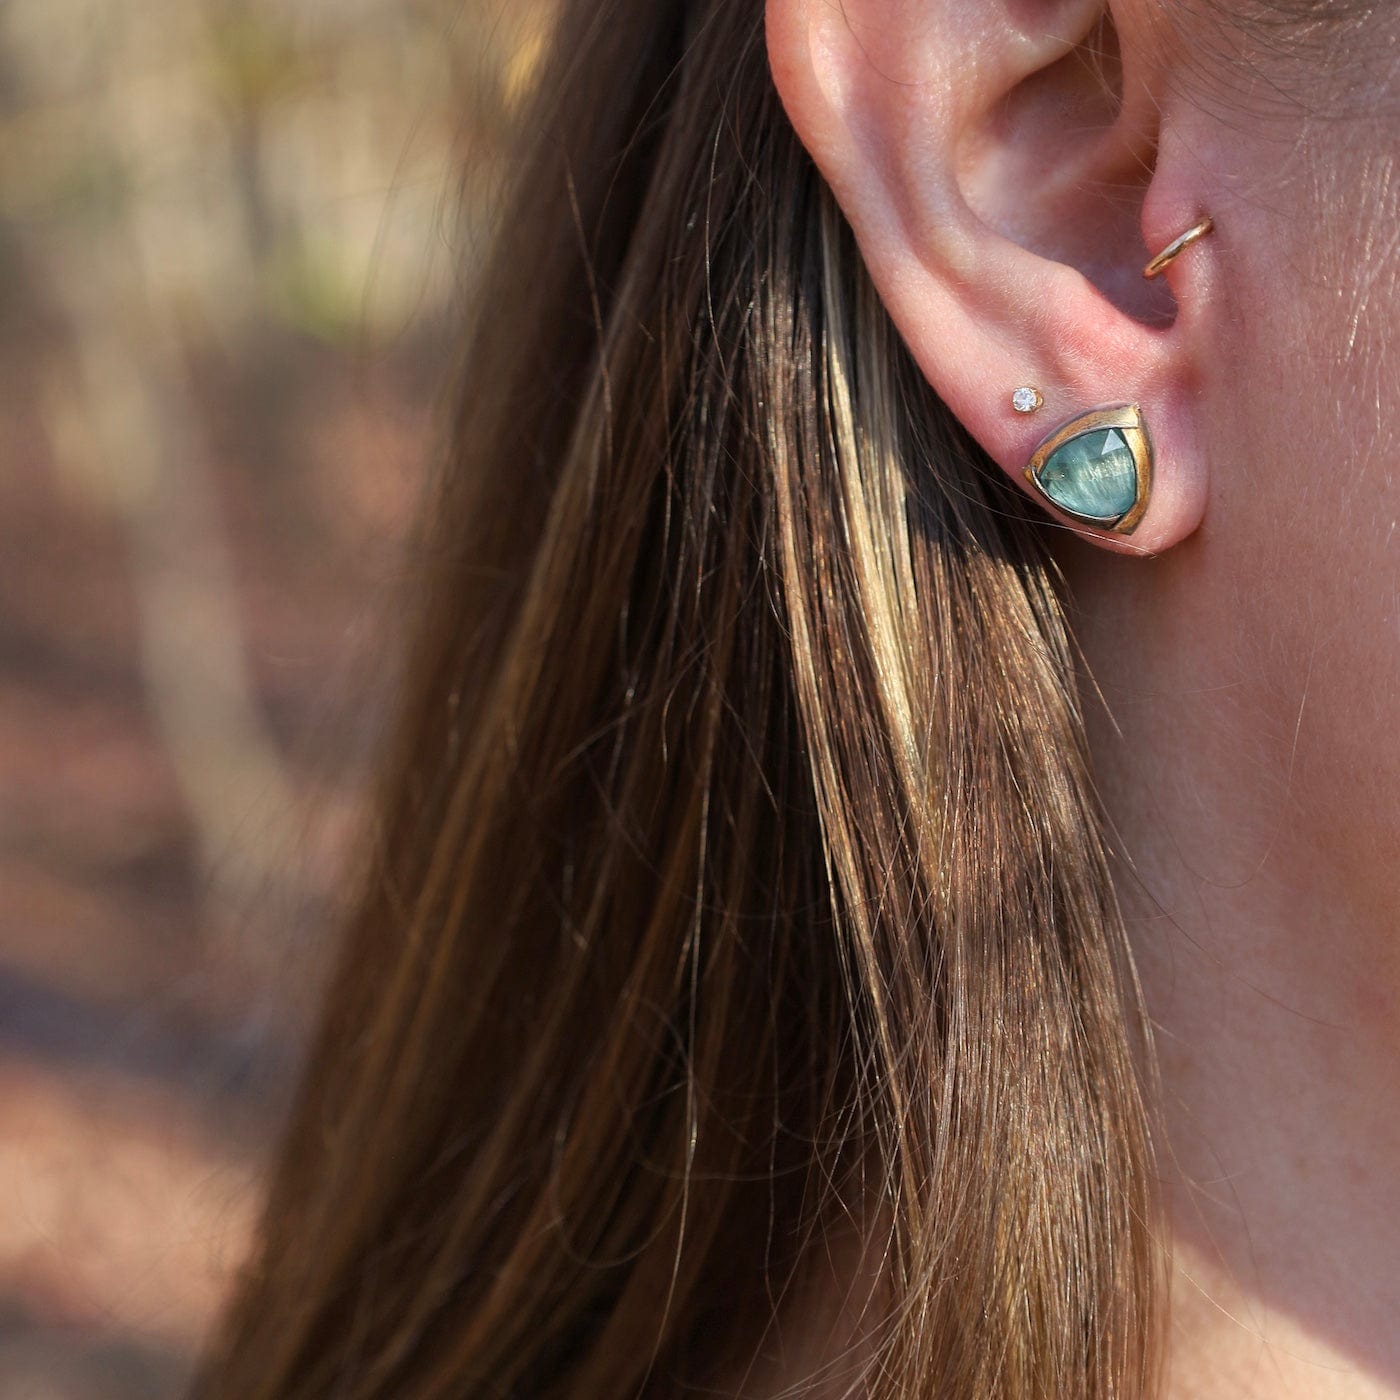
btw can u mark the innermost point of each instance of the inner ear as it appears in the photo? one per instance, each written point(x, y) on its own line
point(1060, 166)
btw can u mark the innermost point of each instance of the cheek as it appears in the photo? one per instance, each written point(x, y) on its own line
point(1303, 429)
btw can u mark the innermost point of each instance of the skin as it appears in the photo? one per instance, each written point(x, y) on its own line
point(1244, 639)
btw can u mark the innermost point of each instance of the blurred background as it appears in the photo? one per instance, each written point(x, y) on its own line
point(235, 239)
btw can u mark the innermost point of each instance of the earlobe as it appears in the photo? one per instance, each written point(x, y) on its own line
point(997, 198)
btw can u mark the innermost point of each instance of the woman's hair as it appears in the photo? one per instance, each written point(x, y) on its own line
point(736, 926)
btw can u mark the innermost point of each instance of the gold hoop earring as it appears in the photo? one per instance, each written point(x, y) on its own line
point(1177, 246)
point(1097, 468)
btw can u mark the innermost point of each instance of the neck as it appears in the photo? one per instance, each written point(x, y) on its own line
point(1272, 985)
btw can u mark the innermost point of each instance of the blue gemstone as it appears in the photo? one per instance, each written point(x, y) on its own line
point(1093, 474)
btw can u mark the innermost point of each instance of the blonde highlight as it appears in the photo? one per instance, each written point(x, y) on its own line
point(737, 883)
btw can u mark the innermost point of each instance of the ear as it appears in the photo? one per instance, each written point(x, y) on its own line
point(998, 163)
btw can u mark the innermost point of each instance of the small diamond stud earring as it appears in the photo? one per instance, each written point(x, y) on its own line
point(1027, 399)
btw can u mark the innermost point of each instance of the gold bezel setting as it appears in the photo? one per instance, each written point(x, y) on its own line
point(1127, 418)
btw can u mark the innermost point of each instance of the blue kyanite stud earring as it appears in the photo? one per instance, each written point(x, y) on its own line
point(1097, 468)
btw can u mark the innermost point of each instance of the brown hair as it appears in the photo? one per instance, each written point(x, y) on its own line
point(736, 887)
